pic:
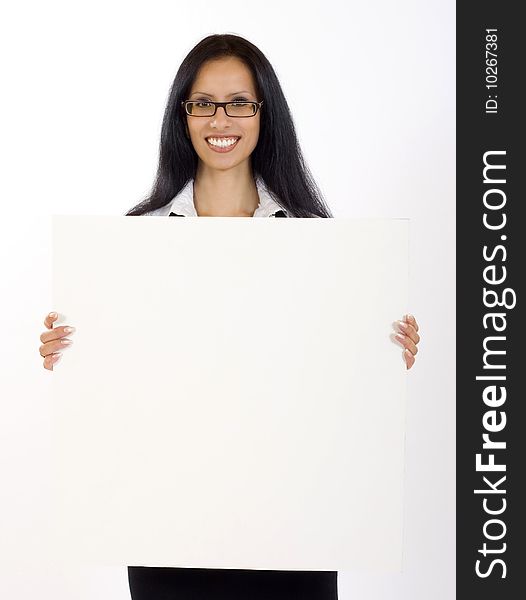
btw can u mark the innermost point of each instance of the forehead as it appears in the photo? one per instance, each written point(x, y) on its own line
point(224, 75)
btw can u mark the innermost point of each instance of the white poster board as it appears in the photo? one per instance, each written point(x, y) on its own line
point(233, 397)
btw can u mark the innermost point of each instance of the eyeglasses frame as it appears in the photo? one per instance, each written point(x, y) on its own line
point(223, 105)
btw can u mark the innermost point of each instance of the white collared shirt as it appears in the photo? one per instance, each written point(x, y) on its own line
point(183, 204)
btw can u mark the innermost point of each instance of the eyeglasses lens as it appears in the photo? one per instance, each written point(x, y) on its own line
point(241, 109)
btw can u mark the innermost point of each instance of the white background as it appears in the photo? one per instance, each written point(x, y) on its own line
point(84, 89)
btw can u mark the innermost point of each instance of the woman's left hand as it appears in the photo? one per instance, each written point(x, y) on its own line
point(409, 338)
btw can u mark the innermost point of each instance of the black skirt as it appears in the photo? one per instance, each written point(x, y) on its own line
point(164, 583)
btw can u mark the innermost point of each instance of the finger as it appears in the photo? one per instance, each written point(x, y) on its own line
point(57, 333)
point(51, 360)
point(50, 319)
point(408, 330)
point(409, 359)
point(54, 346)
point(412, 321)
point(407, 342)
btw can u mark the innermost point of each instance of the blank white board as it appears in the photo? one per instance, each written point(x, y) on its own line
point(233, 397)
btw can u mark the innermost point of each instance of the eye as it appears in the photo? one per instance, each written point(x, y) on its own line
point(240, 100)
point(203, 104)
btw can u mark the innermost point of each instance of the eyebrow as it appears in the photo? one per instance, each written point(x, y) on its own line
point(228, 95)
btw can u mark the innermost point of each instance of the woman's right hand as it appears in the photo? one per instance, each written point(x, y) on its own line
point(54, 341)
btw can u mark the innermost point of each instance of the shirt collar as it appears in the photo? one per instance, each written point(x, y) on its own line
point(183, 204)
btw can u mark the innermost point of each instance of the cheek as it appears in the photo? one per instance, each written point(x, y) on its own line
point(191, 128)
point(253, 133)
point(194, 133)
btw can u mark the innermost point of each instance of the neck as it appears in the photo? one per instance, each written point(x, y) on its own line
point(230, 193)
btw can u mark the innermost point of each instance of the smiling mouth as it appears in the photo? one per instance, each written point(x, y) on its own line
point(222, 144)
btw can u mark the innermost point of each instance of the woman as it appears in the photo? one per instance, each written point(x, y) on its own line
point(228, 148)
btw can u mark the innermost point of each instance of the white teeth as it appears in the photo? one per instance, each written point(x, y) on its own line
point(222, 142)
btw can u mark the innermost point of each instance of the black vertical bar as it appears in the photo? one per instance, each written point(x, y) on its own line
point(491, 128)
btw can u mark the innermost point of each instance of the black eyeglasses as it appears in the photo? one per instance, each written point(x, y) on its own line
point(201, 108)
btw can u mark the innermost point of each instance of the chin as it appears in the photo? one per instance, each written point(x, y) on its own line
point(224, 167)
point(222, 163)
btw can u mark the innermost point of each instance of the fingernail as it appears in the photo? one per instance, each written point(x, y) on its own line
point(66, 342)
point(69, 330)
point(408, 352)
point(400, 336)
point(53, 315)
point(402, 324)
point(410, 318)
point(56, 357)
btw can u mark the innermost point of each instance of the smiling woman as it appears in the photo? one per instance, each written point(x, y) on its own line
point(228, 138)
point(228, 148)
point(224, 137)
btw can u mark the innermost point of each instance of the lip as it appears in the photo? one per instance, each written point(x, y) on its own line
point(226, 148)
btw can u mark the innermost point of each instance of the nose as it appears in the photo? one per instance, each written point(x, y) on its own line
point(220, 119)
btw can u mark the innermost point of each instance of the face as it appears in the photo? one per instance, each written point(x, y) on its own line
point(222, 142)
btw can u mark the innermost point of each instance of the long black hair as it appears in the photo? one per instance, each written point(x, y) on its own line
point(277, 157)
